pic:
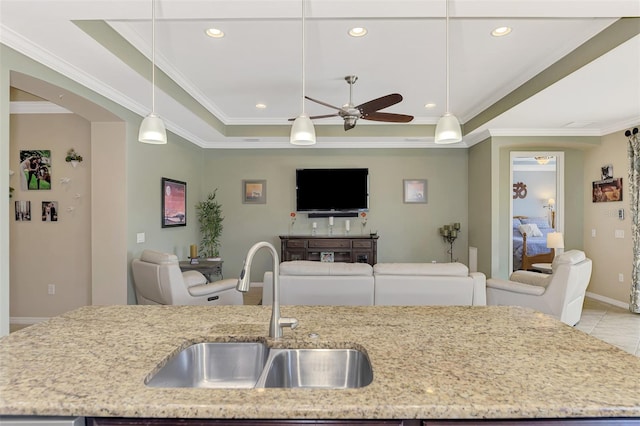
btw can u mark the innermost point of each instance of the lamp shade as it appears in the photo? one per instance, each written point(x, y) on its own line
point(448, 130)
point(555, 240)
point(152, 130)
point(302, 131)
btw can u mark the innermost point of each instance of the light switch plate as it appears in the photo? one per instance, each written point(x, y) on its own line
point(619, 233)
point(140, 237)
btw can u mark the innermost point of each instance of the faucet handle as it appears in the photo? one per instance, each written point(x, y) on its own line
point(288, 322)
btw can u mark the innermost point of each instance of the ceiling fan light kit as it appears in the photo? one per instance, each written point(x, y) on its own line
point(448, 128)
point(152, 130)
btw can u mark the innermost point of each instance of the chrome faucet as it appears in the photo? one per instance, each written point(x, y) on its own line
point(244, 282)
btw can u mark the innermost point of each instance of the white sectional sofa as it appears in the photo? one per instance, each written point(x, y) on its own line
point(303, 282)
point(428, 284)
point(316, 283)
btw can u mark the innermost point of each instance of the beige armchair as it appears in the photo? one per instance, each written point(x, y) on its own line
point(159, 281)
point(560, 293)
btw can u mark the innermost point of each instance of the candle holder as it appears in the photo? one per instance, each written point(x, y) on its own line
point(449, 234)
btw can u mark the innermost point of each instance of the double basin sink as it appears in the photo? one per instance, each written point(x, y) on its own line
point(254, 365)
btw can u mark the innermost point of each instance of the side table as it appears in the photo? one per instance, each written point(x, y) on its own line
point(208, 268)
point(545, 268)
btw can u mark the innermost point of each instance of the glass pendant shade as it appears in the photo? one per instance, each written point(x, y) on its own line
point(152, 130)
point(302, 131)
point(448, 129)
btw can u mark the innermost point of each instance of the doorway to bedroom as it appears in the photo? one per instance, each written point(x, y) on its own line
point(537, 202)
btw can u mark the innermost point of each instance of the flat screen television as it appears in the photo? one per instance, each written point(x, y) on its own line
point(323, 191)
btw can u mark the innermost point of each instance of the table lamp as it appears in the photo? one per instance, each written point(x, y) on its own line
point(555, 241)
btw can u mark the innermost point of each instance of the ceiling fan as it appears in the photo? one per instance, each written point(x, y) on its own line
point(367, 111)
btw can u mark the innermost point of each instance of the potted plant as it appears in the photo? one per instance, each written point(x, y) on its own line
point(73, 157)
point(209, 214)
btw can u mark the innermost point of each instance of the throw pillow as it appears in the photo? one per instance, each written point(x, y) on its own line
point(542, 222)
point(531, 229)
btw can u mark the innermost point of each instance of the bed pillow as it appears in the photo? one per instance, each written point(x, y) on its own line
point(516, 223)
point(541, 222)
point(531, 229)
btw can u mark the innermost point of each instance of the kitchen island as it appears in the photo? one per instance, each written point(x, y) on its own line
point(472, 362)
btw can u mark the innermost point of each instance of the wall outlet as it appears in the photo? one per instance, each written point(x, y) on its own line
point(140, 237)
point(621, 278)
point(593, 232)
point(51, 289)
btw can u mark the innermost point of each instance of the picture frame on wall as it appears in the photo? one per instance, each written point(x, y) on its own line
point(607, 190)
point(23, 211)
point(174, 203)
point(606, 172)
point(49, 211)
point(414, 191)
point(35, 169)
point(254, 191)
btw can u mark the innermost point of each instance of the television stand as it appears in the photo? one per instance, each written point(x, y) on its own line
point(340, 248)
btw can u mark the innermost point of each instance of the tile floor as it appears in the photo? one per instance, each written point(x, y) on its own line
point(612, 324)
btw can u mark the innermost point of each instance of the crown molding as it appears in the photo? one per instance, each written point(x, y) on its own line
point(36, 107)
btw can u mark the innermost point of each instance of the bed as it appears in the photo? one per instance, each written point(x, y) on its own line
point(530, 242)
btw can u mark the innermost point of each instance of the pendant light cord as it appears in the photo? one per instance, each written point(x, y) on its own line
point(303, 57)
point(153, 56)
point(447, 51)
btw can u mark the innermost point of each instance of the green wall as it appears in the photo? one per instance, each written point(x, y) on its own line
point(408, 232)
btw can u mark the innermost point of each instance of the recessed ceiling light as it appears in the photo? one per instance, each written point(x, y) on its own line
point(261, 106)
point(501, 31)
point(430, 105)
point(214, 32)
point(357, 32)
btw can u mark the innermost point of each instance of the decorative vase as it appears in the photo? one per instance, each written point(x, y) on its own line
point(74, 163)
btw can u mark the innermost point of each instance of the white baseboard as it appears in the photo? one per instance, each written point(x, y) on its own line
point(26, 320)
point(608, 300)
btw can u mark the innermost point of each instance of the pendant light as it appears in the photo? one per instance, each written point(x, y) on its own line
point(152, 128)
point(448, 127)
point(302, 131)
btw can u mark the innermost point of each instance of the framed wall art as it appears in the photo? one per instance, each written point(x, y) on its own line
point(174, 203)
point(254, 192)
point(414, 190)
point(607, 190)
point(35, 169)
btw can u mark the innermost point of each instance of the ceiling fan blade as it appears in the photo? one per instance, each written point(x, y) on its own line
point(379, 103)
point(388, 117)
point(318, 116)
point(324, 116)
point(323, 103)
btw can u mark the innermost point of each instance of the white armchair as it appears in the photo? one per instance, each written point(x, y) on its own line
point(560, 293)
point(158, 280)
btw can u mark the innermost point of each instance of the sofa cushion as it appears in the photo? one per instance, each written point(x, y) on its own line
point(455, 269)
point(308, 267)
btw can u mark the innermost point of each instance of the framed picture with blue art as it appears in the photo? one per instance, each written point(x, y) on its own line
point(174, 203)
point(35, 169)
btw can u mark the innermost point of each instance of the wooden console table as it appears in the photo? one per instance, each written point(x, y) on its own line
point(341, 248)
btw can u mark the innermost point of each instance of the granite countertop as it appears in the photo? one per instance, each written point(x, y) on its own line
point(428, 362)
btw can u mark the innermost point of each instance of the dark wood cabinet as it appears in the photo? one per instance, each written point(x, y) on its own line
point(343, 248)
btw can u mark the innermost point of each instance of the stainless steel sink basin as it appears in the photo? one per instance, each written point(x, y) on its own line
point(316, 368)
point(253, 365)
point(213, 365)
